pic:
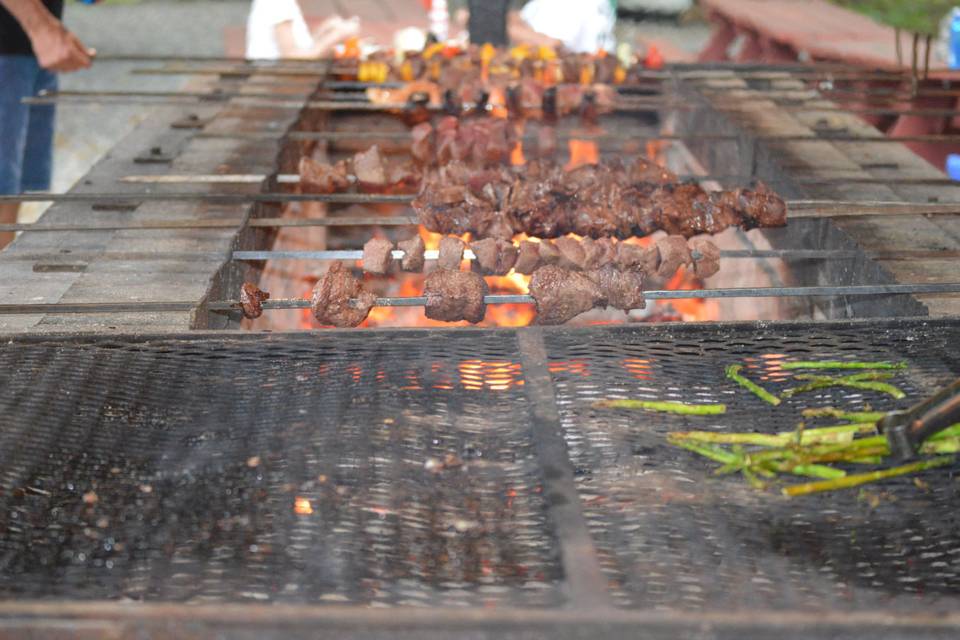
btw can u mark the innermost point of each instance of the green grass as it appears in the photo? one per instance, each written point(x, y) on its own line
point(920, 16)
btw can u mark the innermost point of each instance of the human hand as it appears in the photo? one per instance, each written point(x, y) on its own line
point(59, 50)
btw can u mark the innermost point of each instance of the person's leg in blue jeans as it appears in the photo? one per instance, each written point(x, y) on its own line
point(26, 133)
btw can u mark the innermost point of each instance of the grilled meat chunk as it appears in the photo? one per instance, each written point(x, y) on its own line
point(318, 177)
point(332, 299)
point(377, 256)
point(608, 200)
point(572, 255)
point(528, 259)
point(251, 300)
point(370, 167)
point(413, 250)
point(453, 296)
point(674, 253)
point(561, 295)
point(706, 257)
point(494, 257)
point(761, 207)
point(451, 253)
point(619, 289)
point(424, 147)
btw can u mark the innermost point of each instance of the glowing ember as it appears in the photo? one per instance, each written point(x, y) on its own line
point(583, 152)
point(302, 506)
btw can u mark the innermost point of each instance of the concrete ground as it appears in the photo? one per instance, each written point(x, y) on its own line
point(85, 132)
point(163, 27)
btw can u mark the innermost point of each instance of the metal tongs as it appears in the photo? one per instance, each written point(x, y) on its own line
point(907, 430)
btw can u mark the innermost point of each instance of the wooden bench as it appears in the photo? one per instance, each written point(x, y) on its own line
point(790, 31)
point(800, 30)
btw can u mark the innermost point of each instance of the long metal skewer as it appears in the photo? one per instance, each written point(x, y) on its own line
point(756, 292)
point(269, 100)
point(274, 305)
point(779, 254)
point(290, 178)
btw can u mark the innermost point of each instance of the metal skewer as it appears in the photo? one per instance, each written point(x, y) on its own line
point(778, 254)
point(269, 100)
point(297, 303)
point(290, 178)
point(758, 292)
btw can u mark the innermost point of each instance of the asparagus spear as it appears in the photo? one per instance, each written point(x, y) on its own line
point(849, 416)
point(868, 381)
point(836, 364)
point(679, 408)
point(733, 372)
point(864, 478)
point(840, 433)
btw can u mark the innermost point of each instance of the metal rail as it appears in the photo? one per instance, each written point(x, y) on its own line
point(298, 303)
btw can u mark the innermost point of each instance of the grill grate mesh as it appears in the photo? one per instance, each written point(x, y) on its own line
point(672, 536)
point(173, 469)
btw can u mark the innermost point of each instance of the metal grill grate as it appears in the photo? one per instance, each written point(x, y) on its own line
point(672, 536)
point(172, 469)
point(422, 484)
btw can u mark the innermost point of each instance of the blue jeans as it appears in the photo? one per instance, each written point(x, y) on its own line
point(26, 132)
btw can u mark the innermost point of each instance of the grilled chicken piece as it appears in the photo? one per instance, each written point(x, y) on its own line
point(332, 299)
point(453, 296)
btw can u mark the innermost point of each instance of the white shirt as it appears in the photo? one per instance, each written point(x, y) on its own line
point(584, 26)
point(262, 22)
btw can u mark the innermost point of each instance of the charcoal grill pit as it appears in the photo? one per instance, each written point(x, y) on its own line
point(164, 480)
